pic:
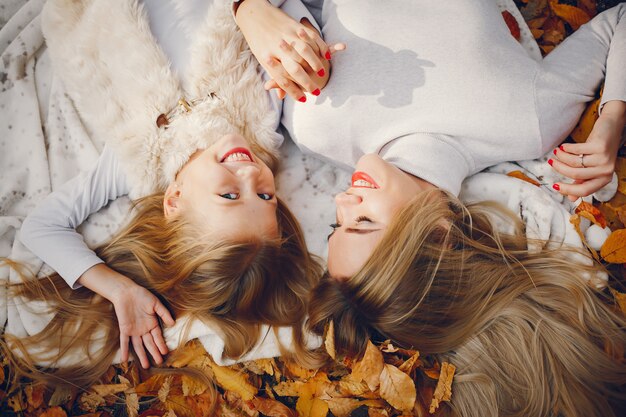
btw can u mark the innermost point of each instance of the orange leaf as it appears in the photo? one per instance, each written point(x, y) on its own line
point(614, 248)
point(369, 368)
point(521, 176)
point(397, 388)
point(586, 122)
point(620, 298)
point(511, 22)
point(54, 412)
point(574, 16)
point(443, 391)
point(596, 216)
point(272, 408)
point(329, 341)
point(310, 406)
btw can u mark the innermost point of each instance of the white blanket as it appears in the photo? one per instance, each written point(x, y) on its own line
point(43, 144)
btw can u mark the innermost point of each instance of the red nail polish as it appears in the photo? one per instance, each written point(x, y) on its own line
point(550, 161)
point(321, 72)
point(561, 148)
point(316, 92)
point(327, 55)
point(302, 99)
point(556, 187)
point(554, 151)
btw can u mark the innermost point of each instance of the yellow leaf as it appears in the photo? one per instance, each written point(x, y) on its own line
point(310, 406)
point(296, 371)
point(587, 120)
point(192, 386)
point(329, 341)
point(620, 298)
point(109, 389)
point(261, 366)
point(343, 407)
point(537, 33)
point(289, 388)
point(151, 386)
point(164, 391)
point(17, 402)
point(54, 412)
point(410, 364)
point(571, 14)
point(185, 355)
point(235, 381)
point(521, 176)
point(369, 368)
point(443, 391)
point(614, 248)
point(377, 412)
point(590, 212)
point(397, 388)
point(90, 401)
point(348, 388)
point(132, 405)
point(272, 408)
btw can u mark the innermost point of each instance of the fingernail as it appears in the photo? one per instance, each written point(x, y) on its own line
point(327, 56)
point(316, 92)
point(550, 161)
point(321, 72)
point(561, 148)
point(554, 151)
point(556, 187)
point(302, 99)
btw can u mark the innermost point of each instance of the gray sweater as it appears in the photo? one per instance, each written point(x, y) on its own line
point(442, 90)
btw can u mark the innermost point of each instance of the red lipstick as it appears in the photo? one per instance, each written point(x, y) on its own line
point(237, 150)
point(362, 176)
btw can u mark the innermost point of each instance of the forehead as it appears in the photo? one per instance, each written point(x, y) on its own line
point(348, 252)
point(241, 219)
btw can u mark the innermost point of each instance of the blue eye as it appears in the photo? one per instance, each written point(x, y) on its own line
point(265, 196)
point(230, 196)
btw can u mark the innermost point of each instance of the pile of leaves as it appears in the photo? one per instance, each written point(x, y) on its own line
point(387, 381)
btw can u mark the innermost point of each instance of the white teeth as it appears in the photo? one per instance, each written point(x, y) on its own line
point(362, 183)
point(237, 157)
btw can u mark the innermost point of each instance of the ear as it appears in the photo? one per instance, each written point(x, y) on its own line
point(171, 201)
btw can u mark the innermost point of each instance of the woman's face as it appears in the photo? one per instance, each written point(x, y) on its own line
point(229, 187)
point(378, 191)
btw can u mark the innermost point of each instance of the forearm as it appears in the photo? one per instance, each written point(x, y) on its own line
point(106, 282)
point(616, 110)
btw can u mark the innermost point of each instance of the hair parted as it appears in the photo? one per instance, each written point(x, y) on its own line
point(235, 286)
point(527, 333)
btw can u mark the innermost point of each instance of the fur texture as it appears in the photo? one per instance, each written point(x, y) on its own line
point(121, 81)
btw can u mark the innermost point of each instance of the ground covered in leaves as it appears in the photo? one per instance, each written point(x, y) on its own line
point(387, 381)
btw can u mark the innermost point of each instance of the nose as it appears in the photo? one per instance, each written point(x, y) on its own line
point(346, 199)
point(249, 174)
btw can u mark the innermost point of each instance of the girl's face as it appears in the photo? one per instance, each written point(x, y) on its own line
point(229, 188)
point(378, 191)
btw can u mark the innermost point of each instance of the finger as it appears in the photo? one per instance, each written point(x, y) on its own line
point(322, 48)
point(164, 314)
point(278, 73)
point(140, 352)
point(281, 93)
point(575, 160)
point(157, 336)
point(148, 342)
point(270, 84)
point(124, 340)
point(300, 76)
point(310, 56)
point(584, 188)
point(578, 148)
point(337, 47)
point(576, 173)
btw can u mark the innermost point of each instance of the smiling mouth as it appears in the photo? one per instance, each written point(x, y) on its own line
point(237, 155)
point(362, 180)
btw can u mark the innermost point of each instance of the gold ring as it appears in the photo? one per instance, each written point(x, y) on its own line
point(582, 160)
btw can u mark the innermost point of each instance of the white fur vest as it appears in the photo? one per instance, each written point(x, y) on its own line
point(121, 84)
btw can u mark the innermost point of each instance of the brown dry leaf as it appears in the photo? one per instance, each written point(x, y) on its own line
point(329, 340)
point(235, 381)
point(289, 388)
point(164, 391)
point(410, 364)
point(596, 216)
point(61, 395)
point(34, 396)
point(151, 386)
point(343, 407)
point(589, 6)
point(132, 405)
point(244, 407)
point(348, 388)
point(369, 368)
point(186, 354)
point(614, 248)
point(620, 170)
point(377, 412)
point(620, 298)
point(587, 120)
point(309, 405)
point(200, 406)
point(261, 366)
point(389, 347)
point(443, 391)
point(397, 388)
point(179, 405)
point(520, 175)
point(294, 370)
point(511, 22)
point(272, 408)
point(90, 401)
point(571, 14)
point(537, 33)
point(17, 402)
point(192, 386)
point(110, 389)
point(54, 412)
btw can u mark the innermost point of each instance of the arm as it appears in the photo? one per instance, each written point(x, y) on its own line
point(286, 44)
point(49, 232)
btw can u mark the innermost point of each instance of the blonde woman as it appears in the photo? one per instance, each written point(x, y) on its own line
point(426, 94)
point(209, 242)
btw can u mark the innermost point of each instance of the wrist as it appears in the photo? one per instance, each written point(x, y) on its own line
point(106, 282)
point(245, 7)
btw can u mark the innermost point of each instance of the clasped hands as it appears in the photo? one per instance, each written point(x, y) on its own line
point(293, 53)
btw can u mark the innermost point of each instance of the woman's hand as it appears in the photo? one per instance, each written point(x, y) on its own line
point(591, 164)
point(137, 310)
point(292, 53)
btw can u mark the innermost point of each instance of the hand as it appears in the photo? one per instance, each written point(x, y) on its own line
point(292, 53)
point(138, 312)
point(590, 164)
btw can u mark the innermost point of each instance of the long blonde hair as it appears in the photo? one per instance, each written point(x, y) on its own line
point(528, 335)
point(236, 286)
